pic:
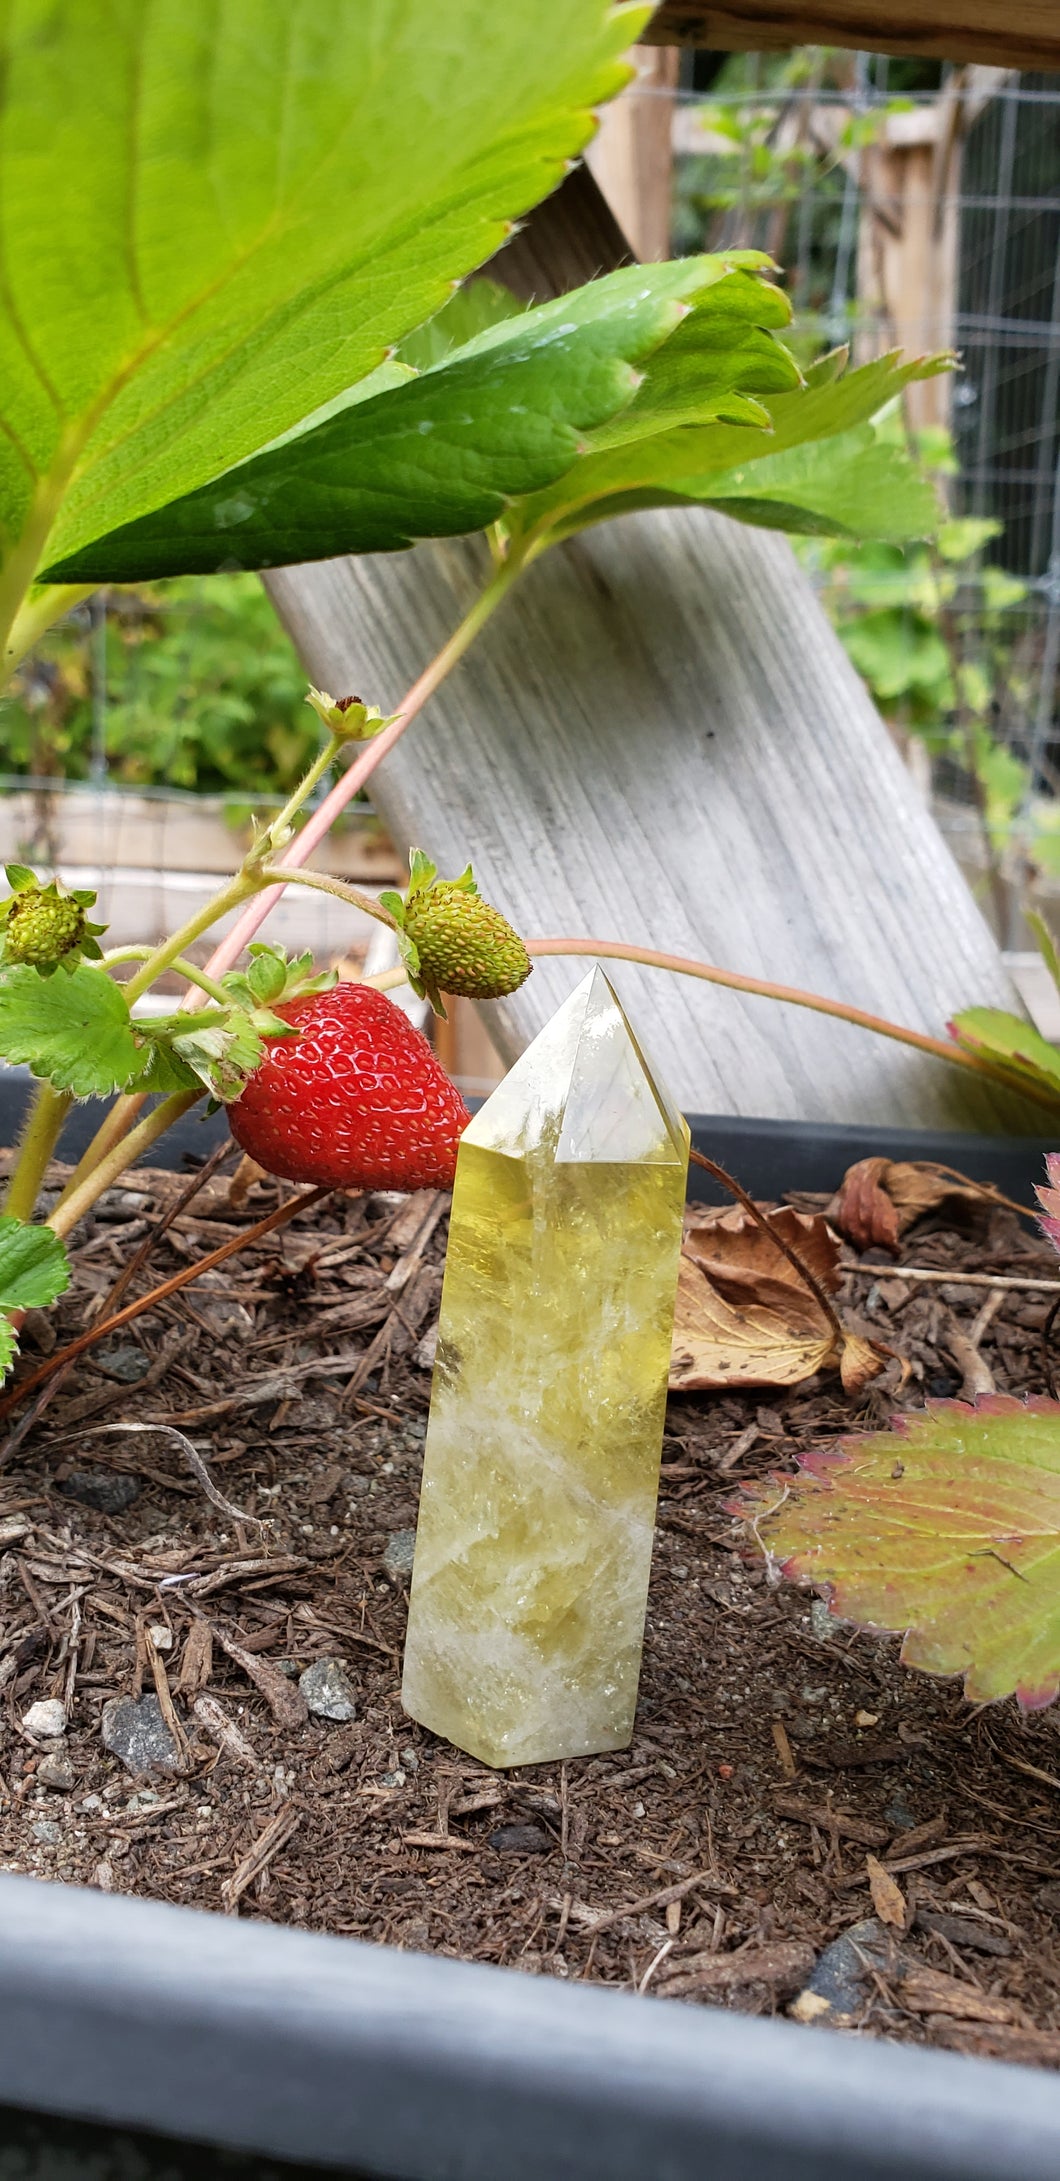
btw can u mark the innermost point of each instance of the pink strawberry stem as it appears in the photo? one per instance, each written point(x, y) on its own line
point(323, 818)
point(793, 996)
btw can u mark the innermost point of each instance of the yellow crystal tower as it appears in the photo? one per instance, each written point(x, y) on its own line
point(526, 1618)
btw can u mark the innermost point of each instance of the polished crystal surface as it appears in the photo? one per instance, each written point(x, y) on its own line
point(533, 1550)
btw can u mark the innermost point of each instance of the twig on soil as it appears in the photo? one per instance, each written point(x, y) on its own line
point(127, 1273)
point(284, 1698)
point(75, 1348)
point(257, 1859)
point(977, 1378)
point(1000, 1280)
point(213, 1717)
point(192, 1457)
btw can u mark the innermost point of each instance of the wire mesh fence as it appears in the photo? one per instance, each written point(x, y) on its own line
point(918, 205)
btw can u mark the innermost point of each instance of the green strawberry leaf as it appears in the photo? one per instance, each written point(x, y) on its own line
point(33, 1266)
point(33, 1270)
point(1045, 943)
point(164, 1073)
point(73, 1032)
point(494, 421)
point(781, 478)
point(258, 238)
point(1016, 1044)
point(853, 485)
point(475, 307)
point(945, 1530)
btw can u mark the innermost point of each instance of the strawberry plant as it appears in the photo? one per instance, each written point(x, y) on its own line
point(263, 360)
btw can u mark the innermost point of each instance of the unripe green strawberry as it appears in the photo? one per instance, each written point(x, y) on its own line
point(464, 946)
point(43, 926)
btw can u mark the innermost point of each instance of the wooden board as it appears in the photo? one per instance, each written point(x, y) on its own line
point(1025, 34)
point(660, 738)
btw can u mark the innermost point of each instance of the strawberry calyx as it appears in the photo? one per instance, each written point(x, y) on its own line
point(221, 1047)
point(45, 927)
point(349, 719)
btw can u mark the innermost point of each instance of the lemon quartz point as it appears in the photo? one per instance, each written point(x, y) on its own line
point(541, 1467)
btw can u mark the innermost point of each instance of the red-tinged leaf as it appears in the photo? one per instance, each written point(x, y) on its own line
point(1049, 1199)
point(1011, 1043)
point(945, 1530)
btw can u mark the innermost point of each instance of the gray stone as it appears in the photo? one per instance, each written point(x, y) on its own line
point(521, 1840)
point(400, 1553)
point(47, 1832)
point(128, 1364)
point(327, 1690)
point(46, 1718)
point(839, 1985)
point(56, 1771)
point(110, 1493)
point(135, 1732)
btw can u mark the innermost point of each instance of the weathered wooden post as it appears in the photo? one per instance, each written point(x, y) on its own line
point(659, 738)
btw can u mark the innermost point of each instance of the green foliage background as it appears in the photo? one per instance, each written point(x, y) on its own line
point(203, 692)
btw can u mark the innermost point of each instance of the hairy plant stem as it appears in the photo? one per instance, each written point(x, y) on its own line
point(77, 1200)
point(319, 882)
point(231, 896)
point(39, 1138)
point(181, 965)
point(761, 988)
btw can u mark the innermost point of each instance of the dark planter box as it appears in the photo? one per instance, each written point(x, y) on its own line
point(767, 1156)
point(139, 2040)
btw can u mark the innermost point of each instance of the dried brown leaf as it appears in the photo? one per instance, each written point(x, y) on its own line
point(745, 1317)
point(859, 1362)
point(878, 1199)
point(730, 1243)
point(888, 1900)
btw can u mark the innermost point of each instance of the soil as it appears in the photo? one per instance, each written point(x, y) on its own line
point(713, 1862)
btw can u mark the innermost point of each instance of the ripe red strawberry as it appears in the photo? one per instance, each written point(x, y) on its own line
point(356, 1101)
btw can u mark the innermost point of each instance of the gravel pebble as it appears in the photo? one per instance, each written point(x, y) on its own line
point(56, 1771)
point(327, 1690)
point(127, 1364)
point(400, 1553)
point(109, 1494)
point(46, 1718)
point(135, 1732)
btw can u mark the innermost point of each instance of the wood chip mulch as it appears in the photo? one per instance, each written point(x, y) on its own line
point(788, 1779)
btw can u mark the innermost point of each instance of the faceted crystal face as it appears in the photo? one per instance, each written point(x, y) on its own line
point(584, 1089)
point(541, 1468)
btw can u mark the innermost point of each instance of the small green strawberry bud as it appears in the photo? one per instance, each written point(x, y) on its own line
point(453, 941)
point(348, 717)
point(44, 928)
